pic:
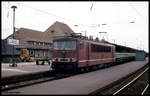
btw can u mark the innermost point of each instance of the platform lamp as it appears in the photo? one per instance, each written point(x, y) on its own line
point(13, 7)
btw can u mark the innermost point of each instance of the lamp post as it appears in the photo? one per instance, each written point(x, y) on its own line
point(13, 7)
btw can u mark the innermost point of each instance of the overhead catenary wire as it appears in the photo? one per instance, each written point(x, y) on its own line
point(45, 12)
point(42, 11)
point(8, 11)
point(92, 6)
point(138, 13)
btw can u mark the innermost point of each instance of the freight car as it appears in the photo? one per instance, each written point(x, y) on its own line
point(71, 53)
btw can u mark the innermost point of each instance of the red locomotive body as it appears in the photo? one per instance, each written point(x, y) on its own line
point(95, 53)
point(75, 53)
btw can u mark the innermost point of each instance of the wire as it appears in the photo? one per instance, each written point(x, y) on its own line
point(136, 10)
point(53, 14)
point(8, 11)
point(91, 7)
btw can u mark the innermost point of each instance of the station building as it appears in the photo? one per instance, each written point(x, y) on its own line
point(38, 43)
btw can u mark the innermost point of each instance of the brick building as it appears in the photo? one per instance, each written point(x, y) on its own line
point(38, 43)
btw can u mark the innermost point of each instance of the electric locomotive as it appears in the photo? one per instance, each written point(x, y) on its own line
point(70, 53)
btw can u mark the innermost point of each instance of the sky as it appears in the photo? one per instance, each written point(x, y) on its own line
point(115, 18)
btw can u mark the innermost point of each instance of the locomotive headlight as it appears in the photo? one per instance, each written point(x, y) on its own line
point(73, 60)
point(55, 59)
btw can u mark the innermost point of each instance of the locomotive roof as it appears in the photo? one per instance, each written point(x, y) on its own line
point(80, 39)
point(100, 43)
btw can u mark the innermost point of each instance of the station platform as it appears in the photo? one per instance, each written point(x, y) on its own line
point(83, 83)
point(22, 68)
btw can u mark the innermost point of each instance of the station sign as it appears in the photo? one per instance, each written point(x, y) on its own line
point(12, 41)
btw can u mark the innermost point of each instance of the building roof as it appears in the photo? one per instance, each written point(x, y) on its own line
point(24, 34)
point(31, 35)
point(59, 29)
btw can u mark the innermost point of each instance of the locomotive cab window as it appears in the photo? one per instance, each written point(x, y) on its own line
point(81, 45)
point(64, 45)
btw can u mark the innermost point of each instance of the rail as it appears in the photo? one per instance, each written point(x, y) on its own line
point(33, 78)
point(145, 89)
point(117, 85)
point(130, 82)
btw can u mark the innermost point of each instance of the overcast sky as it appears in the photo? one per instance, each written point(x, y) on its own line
point(89, 16)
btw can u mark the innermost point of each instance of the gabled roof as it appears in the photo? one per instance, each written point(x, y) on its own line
point(59, 29)
point(31, 35)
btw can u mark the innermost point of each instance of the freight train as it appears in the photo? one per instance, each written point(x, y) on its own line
point(71, 53)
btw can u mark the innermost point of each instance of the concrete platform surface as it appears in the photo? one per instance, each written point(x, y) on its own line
point(83, 83)
point(22, 68)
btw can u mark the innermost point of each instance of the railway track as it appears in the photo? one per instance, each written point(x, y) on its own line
point(136, 86)
point(16, 81)
point(133, 84)
point(13, 82)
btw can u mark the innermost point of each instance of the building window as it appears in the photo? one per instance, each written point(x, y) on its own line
point(30, 42)
point(66, 33)
point(34, 43)
point(43, 53)
point(41, 43)
point(47, 43)
point(37, 43)
point(52, 31)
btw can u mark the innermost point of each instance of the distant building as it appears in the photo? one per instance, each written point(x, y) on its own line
point(39, 43)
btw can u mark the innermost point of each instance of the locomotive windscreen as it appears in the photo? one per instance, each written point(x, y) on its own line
point(64, 45)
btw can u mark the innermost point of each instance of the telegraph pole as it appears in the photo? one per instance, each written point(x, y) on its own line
point(13, 59)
